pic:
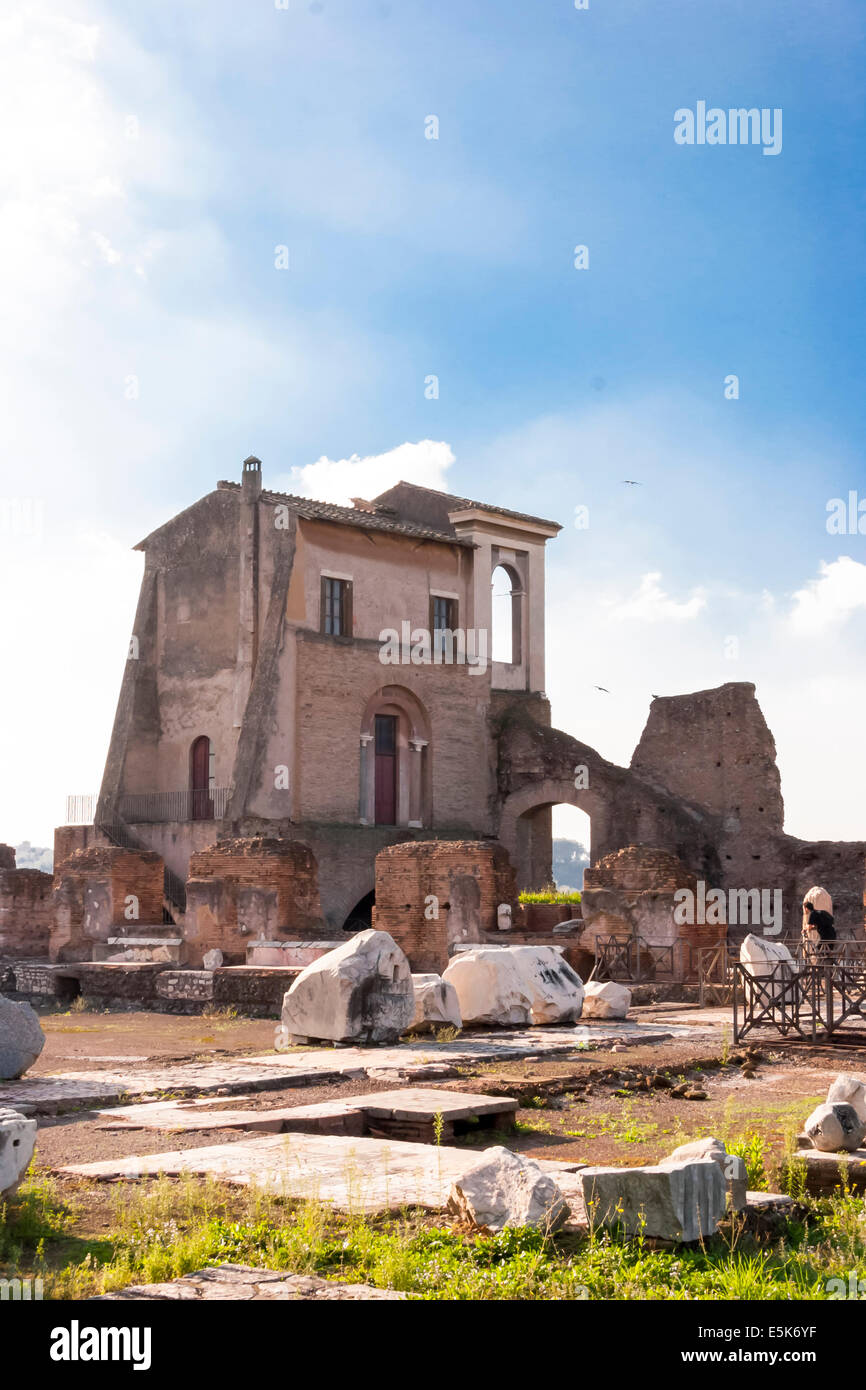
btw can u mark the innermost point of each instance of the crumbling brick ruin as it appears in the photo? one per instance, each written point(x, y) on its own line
point(100, 894)
point(26, 911)
point(240, 891)
point(433, 895)
point(630, 893)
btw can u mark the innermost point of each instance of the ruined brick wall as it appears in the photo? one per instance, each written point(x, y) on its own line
point(26, 911)
point(69, 838)
point(243, 889)
point(536, 770)
point(714, 747)
point(631, 893)
point(466, 881)
point(639, 868)
point(99, 889)
point(7, 857)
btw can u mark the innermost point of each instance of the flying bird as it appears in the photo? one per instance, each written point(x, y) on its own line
point(632, 482)
point(601, 687)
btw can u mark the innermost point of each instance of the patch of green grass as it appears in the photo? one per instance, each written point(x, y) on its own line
point(550, 894)
point(165, 1228)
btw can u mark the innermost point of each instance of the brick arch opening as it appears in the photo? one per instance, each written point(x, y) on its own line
point(525, 825)
point(360, 918)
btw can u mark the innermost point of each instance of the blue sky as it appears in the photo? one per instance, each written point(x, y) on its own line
point(162, 152)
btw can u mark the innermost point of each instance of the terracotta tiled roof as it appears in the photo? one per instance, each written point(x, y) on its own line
point(459, 504)
point(383, 519)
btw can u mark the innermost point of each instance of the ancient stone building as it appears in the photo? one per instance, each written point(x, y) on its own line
point(261, 697)
point(631, 894)
point(309, 685)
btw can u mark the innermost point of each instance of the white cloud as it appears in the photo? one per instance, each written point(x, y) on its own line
point(339, 480)
point(828, 601)
point(650, 604)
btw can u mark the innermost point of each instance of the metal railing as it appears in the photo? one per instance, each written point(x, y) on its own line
point(632, 960)
point(154, 807)
point(713, 969)
point(144, 807)
point(805, 999)
point(80, 810)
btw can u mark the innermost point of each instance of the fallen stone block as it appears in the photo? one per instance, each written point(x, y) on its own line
point(436, 1003)
point(212, 960)
point(21, 1038)
point(670, 1201)
point(507, 1189)
point(490, 988)
point(835, 1126)
point(361, 992)
point(850, 1090)
point(555, 990)
point(762, 957)
point(733, 1168)
point(605, 1000)
point(17, 1142)
point(510, 986)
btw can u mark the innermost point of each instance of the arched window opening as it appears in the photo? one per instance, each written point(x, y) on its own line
point(201, 779)
point(505, 644)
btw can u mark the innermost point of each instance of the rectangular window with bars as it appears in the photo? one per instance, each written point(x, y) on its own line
point(336, 607)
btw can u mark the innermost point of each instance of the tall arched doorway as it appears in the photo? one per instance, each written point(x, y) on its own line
point(395, 776)
point(201, 779)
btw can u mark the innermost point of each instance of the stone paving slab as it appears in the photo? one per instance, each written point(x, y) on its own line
point(65, 1091)
point(415, 1104)
point(243, 1282)
point(351, 1174)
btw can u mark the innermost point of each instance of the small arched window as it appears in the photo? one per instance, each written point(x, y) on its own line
point(505, 640)
point(201, 779)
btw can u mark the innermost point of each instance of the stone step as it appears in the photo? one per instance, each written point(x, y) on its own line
point(143, 947)
point(150, 930)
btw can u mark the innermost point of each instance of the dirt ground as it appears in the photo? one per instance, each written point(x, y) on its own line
point(88, 1041)
point(624, 1106)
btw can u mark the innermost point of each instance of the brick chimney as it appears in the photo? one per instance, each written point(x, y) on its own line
point(251, 478)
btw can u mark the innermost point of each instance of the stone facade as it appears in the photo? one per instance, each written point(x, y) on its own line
point(232, 645)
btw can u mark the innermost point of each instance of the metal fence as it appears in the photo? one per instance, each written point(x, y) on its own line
point(80, 810)
point(806, 1000)
point(143, 807)
point(154, 807)
point(632, 960)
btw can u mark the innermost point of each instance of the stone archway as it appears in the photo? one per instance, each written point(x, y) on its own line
point(525, 825)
